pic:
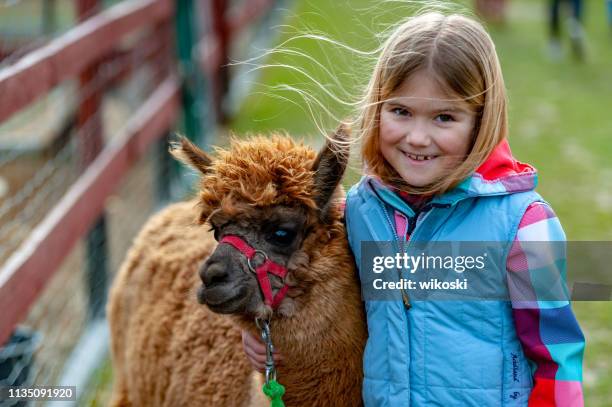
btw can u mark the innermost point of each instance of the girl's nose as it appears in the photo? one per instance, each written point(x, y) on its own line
point(418, 135)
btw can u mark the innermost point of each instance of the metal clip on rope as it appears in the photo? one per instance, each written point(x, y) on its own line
point(264, 327)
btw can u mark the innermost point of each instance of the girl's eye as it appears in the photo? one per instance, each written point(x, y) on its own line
point(398, 111)
point(444, 118)
point(281, 237)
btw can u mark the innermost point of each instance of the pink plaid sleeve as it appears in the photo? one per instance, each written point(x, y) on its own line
point(547, 330)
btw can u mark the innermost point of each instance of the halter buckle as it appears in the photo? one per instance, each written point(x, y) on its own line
point(252, 268)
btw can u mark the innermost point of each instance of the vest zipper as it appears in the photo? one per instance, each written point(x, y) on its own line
point(412, 223)
point(405, 296)
point(390, 224)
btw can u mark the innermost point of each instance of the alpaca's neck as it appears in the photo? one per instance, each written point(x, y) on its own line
point(323, 343)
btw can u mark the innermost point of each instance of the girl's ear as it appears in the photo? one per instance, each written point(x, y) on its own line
point(188, 153)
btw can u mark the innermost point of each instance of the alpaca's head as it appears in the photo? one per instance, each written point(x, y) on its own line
point(279, 197)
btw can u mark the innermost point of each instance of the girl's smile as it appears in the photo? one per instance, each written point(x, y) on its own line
point(418, 159)
point(424, 132)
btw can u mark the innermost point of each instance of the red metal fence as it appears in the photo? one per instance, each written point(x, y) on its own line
point(99, 40)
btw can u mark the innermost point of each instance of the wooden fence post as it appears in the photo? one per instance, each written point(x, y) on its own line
point(220, 79)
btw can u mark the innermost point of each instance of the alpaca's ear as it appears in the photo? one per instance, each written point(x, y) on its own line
point(329, 166)
point(188, 153)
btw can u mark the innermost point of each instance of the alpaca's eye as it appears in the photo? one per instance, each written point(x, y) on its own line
point(281, 237)
point(215, 230)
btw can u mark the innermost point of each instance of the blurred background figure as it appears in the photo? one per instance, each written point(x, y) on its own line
point(493, 11)
point(575, 30)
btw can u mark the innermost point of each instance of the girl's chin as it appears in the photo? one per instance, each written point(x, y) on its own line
point(418, 182)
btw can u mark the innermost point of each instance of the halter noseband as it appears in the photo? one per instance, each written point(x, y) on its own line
point(261, 271)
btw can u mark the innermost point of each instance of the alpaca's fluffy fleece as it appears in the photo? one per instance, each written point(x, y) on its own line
point(260, 171)
point(167, 349)
point(170, 351)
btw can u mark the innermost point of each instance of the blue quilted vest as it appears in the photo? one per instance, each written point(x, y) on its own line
point(443, 353)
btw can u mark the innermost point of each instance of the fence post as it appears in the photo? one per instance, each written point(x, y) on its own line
point(220, 85)
point(49, 15)
point(164, 168)
point(89, 125)
point(192, 84)
point(193, 90)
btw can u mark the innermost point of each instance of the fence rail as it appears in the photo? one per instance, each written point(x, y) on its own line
point(67, 56)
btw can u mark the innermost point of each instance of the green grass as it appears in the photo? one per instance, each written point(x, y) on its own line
point(99, 387)
point(560, 119)
point(25, 19)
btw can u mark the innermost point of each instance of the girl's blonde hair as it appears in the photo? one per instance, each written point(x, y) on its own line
point(460, 54)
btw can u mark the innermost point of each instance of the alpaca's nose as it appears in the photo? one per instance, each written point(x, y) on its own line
point(214, 274)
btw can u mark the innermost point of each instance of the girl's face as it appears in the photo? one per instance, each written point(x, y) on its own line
point(423, 135)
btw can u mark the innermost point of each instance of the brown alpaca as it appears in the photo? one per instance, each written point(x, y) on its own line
point(283, 199)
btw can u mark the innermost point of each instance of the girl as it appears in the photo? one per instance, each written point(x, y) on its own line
point(438, 168)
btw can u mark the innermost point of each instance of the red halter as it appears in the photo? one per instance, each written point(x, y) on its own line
point(268, 266)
